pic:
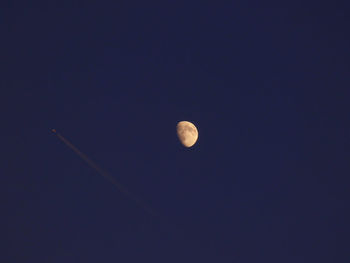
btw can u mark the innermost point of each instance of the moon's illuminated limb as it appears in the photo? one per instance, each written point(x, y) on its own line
point(187, 133)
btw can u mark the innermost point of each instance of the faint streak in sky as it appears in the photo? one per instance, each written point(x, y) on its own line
point(105, 174)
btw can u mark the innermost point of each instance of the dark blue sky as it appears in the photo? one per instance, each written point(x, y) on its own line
point(266, 83)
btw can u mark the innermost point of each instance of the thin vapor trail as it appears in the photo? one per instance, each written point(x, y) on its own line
point(105, 174)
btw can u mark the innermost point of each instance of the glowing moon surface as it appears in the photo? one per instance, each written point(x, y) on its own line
point(187, 133)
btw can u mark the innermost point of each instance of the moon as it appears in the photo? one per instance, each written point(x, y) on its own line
point(187, 133)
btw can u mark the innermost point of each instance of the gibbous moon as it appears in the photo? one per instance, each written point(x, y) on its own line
point(187, 133)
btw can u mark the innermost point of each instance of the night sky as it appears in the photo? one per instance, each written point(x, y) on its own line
point(266, 83)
